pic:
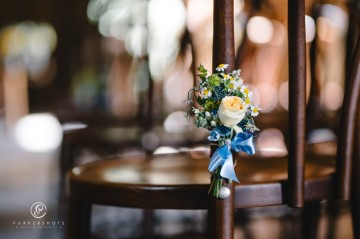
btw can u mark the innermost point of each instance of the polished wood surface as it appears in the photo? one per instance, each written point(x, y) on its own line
point(221, 216)
point(221, 212)
point(181, 181)
point(351, 105)
point(355, 182)
point(297, 101)
point(223, 38)
point(171, 169)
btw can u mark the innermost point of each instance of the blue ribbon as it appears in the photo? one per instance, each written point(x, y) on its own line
point(223, 156)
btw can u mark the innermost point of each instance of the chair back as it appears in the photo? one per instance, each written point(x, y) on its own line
point(223, 52)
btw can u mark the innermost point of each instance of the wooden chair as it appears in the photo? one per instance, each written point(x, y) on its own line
point(179, 181)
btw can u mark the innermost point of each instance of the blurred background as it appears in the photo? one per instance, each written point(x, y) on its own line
point(86, 80)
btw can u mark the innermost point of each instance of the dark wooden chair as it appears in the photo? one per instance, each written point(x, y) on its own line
point(181, 181)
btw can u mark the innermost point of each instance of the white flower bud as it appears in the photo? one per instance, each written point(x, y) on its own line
point(227, 141)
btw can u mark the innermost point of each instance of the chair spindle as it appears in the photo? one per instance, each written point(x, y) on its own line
point(347, 128)
point(297, 101)
point(221, 213)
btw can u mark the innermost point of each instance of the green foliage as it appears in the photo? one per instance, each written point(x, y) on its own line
point(248, 124)
point(214, 80)
point(239, 94)
point(202, 71)
point(211, 105)
point(251, 128)
point(201, 122)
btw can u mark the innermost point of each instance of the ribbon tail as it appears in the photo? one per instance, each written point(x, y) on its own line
point(227, 170)
point(218, 158)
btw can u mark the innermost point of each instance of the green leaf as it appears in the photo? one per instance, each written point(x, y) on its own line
point(210, 105)
point(251, 127)
point(203, 122)
point(202, 71)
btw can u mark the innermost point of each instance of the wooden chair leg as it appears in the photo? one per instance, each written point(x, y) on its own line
point(147, 224)
point(66, 155)
point(221, 217)
point(334, 209)
point(311, 216)
point(293, 222)
point(78, 220)
point(355, 214)
point(355, 184)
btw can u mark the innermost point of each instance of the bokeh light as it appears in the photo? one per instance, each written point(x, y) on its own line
point(166, 150)
point(284, 95)
point(268, 96)
point(29, 44)
point(310, 28)
point(40, 132)
point(166, 18)
point(176, 122)
point(332, 96)
point(271, 143)
point(150, 140)
point(259, 29)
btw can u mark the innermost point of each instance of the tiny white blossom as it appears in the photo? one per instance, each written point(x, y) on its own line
point(234, 85)
point(205, 93)
point(196, 111)
point(225, 76)
point(255, 110)
point(244, 90)
point(213, 123)
point(207, 115)
point(222, 67)
point(227, 141)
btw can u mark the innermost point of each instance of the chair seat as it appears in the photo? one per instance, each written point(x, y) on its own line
point(181, 181)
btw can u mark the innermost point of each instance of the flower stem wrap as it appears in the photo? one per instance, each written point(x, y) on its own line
point(223, 157)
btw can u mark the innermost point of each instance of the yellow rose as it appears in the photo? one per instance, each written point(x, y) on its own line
point(232, 110)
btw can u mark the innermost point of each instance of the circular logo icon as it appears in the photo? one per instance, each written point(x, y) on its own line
point(38, 210)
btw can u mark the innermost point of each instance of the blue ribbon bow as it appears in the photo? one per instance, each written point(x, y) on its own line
point(222, 156)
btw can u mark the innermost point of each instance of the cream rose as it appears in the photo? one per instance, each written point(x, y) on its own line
point(232, 110)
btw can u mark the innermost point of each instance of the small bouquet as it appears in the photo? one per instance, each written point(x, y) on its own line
point(223, 107)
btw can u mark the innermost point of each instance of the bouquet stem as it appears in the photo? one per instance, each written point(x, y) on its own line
point(217, 181)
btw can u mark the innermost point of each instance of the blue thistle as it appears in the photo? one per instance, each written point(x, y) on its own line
point(218, 93)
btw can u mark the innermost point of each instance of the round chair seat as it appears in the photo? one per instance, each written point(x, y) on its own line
point(181, 181)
